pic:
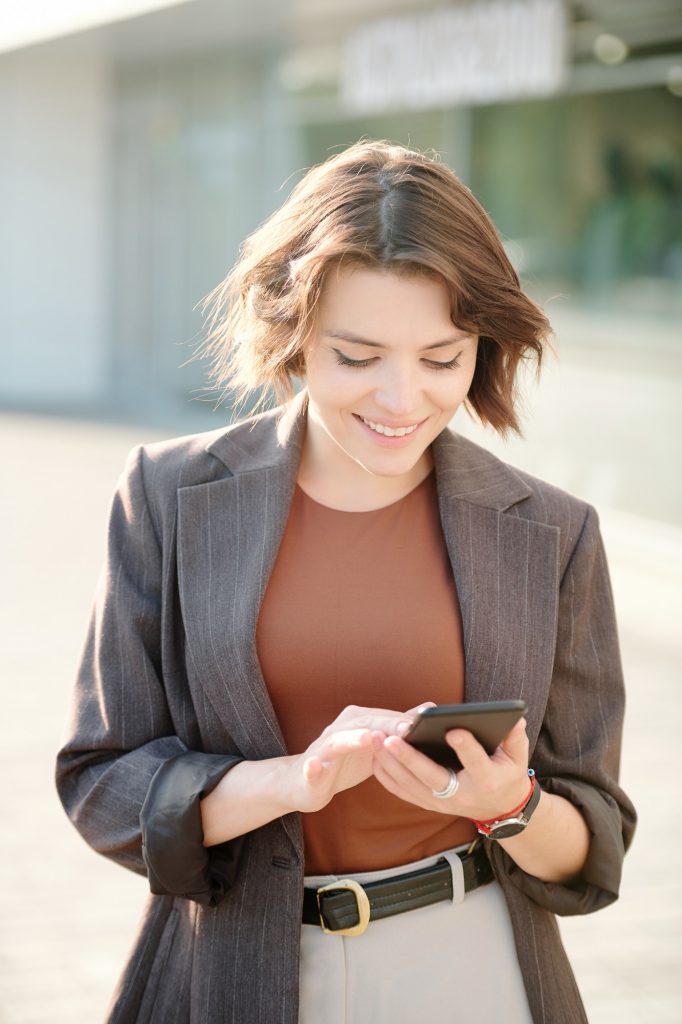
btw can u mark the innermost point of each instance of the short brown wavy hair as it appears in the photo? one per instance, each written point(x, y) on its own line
point(380, 206)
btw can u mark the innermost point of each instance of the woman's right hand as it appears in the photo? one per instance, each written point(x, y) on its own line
point(253, 793)
point(341, 757)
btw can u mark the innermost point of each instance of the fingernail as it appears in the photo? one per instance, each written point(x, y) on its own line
point(402, 727)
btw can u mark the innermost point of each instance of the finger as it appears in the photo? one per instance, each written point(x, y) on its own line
point(421, 707)
point(385, 778)
point(393, 786)
point(425, 771)
point(406, 724)
point(346, 741)
point(515, 744)
point(378, 739)
point(359, 714)
point(472, 755)
point(372, 719)
point(402, 781)
point(396, 726)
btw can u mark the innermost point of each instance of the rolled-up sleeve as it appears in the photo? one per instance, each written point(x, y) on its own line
point(577, 755)
point(172, 836)
point(129, 784)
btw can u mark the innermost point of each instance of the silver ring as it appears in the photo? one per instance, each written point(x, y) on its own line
point(450, 789)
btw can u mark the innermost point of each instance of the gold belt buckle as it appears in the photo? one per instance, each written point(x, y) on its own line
point(363, 907)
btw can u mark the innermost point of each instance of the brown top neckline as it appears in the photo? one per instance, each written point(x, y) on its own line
point(370, 511)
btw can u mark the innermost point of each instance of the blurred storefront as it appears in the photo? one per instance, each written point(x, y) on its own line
point(138, 154)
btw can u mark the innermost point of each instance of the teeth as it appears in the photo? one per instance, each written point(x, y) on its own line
point(390, 431)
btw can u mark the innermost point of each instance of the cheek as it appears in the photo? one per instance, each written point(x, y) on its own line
point(450, 394)
point(334, 391)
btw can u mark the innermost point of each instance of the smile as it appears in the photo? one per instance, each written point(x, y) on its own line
point(379, 428)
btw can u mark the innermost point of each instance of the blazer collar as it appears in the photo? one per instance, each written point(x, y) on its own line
point(273, 439)
point(464, 470)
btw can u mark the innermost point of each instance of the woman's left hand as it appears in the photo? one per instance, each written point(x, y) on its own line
point(489, 785)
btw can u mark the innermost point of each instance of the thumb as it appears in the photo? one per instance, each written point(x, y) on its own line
point(515, 743)
point(313, 769)
point(317, 771)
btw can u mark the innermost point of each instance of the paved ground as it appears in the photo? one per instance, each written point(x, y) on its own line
point(68, 915)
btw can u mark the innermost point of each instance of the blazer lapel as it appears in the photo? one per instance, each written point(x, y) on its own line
point(229, 531)
point(506, 570)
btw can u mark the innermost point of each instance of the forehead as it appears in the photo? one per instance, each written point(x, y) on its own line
point(358, 293)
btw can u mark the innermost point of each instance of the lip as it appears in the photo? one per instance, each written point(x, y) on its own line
point(393, 424)
point(389, 442)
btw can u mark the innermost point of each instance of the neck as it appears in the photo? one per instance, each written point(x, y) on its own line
point(332, 478)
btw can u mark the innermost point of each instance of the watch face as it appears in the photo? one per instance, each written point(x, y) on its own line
point(505, 829)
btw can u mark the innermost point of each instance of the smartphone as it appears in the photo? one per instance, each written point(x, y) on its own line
point(489, 723)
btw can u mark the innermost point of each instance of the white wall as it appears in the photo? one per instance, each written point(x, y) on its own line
point(54, 136)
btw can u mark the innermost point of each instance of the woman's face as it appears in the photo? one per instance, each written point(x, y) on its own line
point(386, 371)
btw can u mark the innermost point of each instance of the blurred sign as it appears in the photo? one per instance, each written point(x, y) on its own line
point(477, 53)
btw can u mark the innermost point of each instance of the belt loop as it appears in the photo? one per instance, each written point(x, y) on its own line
point(457, 869)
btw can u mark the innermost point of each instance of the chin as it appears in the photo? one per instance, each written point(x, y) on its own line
point(388, 467)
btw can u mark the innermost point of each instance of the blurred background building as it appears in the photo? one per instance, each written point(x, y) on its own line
point(142, 140)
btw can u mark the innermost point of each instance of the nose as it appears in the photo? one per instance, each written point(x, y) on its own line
point(398, 391)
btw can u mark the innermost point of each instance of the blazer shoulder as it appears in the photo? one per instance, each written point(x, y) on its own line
point(554, 506)
point(489, 480)
point(189, 460)
point(485, 479)
point(549, 503)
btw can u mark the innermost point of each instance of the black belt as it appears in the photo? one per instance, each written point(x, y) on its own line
point(345, 907)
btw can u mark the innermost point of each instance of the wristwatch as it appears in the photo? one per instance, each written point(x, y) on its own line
point(517, 820)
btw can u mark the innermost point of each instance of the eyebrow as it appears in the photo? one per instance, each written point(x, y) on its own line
point(354, 339)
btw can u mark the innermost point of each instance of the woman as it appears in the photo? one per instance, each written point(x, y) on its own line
point(280, 597)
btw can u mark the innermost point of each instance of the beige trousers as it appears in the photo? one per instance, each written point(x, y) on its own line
point(454, 961)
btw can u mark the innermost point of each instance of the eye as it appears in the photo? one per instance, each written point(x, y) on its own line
point(450, 365)
point(345, 361)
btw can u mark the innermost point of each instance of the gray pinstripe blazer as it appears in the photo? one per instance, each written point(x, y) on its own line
point(170, 695)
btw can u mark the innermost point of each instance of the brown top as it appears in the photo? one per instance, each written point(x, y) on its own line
point(361, 608)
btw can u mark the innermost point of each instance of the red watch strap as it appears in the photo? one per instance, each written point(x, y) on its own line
point(482, 826)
